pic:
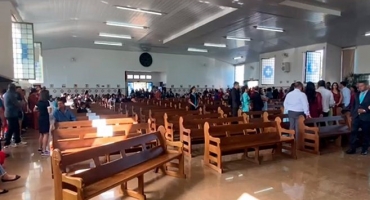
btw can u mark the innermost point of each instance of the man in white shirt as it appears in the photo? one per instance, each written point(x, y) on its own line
point(327, 98)
point(296, 104)
point(346, 93)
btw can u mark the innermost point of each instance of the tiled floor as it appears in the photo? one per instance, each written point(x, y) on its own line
point(333, 176)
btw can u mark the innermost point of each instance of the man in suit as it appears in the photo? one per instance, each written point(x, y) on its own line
point(360, 119)
point(235, 99)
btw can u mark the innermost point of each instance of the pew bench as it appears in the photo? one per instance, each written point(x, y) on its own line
point(272, 137)
point(314, 131)
point(89, 123)
point(88, 183)
point(191, 130)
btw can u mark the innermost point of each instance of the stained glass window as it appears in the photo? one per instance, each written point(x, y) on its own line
point(23, 51)
point(313, 66)
point(268, 71)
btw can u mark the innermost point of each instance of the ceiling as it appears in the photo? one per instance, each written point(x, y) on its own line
point(190, 23)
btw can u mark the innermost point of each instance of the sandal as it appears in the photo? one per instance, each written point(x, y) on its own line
point(4, 191)
point(14, 179)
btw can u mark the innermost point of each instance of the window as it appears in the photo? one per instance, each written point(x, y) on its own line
point(313, 66)
point(136, 77)
point(268, 71)
point(148, 77)
point(252, 84)
point(130, 76)
point(239, 74)
point(142, 76)
point(23, 51)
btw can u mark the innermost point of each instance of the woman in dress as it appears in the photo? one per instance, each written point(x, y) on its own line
point(43, 106)
point(338, 98)
point(245, 100)
point(354, 91)
point(314, 100)
point(193, 99)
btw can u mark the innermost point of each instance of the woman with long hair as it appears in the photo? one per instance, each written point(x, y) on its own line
point(193, 99)
point(245, 100)
point(314, 100)
point(338, 98)
point(44, 108)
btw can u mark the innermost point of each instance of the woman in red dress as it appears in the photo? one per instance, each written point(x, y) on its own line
point(338, 97)
point(314, 100)
point(353, 95)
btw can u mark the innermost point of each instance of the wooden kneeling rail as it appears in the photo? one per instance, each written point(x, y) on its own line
point(216, 146)
point(312, 130)
point(105, 176)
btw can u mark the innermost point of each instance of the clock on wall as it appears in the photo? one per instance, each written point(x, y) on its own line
point(146, 59)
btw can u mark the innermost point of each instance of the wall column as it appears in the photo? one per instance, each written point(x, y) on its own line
point(6, 44)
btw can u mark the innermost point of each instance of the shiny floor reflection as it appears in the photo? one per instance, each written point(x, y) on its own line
point(333, 176)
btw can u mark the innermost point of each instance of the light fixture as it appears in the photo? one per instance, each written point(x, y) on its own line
point(367, 34)
point(237, 38)
point(214, 45)
point(105, 2)
point(115, 35)
point(112, 23)
point(74, 18)
point(198, 50)
point(139, 10)
point(238, 57)
point(74, 36)
point(108, 43)
point(266, 28)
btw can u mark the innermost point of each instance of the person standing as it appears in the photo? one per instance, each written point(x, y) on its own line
point(12, 110)
point(235, 100)
point(43, 106)
point(257, 101)
point(245, 100)
point(193, 99)
point(338, 98)
point(314, 100)
point(346, 93)
point(360, 119)
point(296, 104)
point(327, 98)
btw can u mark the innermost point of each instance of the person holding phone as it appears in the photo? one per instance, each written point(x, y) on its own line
point(44, 108)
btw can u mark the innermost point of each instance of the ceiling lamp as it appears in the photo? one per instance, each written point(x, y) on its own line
point(139, 10)
point(112, 23)
point(108, 43)
point(198, 50)
point(214, 45)
point(115, 36)
point(238, 57)
point(367, 34)
point(266, 28)
point(237, 38)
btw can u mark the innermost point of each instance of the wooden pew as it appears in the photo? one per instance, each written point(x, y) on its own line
point(314, 130)
point(88, 123)
point(105, 116)
point(105, 176)
point(219, 142)
point(171, 122)
point(191, 130)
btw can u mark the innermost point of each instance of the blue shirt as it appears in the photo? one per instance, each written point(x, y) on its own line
point(245, 102)
point(346, 96)
point(65, 116)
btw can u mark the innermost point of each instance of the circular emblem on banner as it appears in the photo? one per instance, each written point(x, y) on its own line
point(89, 90)
point(268, 71)
point(83, 91)
point(108, 90)
point(61, 90)
point(54, 91)
point(96, 90)
point(76, 90)
point(69, 91)
point(102, 90)
point(114, 90)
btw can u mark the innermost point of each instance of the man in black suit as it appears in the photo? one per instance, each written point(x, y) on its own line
point(361, 119)
point(235, 99)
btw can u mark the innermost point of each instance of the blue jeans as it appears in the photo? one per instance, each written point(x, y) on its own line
point(2, 171)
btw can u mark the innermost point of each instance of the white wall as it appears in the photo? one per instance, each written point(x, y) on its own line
point(251, 71)
point(362, 60)
point(333, 68)
point(296, 59)
point(94, 66)
point(6, 46)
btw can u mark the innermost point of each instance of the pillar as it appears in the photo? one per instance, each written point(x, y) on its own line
point(6, 44)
